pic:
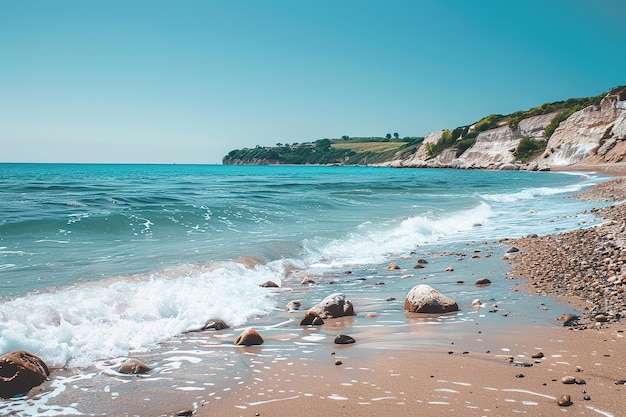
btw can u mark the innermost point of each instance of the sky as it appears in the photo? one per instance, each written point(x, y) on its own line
point(155, 81)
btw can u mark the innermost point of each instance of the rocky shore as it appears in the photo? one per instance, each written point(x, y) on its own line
point(587, 267)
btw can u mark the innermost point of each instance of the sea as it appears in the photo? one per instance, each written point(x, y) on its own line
point(99, 263)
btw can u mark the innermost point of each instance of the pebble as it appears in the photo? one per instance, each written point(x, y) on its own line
point(522, 364)
point(565, 400)
point(344, 339)
point(583, 264)
point(568, 380)
point(338, 362)
point(537, 355)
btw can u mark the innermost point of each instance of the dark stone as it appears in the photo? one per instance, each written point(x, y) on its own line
point(269, 284)
point(215, 324)
point(482, 281)
point(21, 371)
point(344, 339)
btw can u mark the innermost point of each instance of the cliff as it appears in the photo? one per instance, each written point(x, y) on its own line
point(596, 134)
point(575, 132)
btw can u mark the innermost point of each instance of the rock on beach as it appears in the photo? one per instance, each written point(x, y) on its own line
point(425, 299)
point(584, 264)
point(20, 371)
point(333, 306)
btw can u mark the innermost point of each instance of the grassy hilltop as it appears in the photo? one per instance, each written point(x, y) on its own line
point(376, 150)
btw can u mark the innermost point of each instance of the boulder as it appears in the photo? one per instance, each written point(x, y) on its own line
point(21, 371)
point(249, 337)
point(133, 366)
point(425, 299)
point(333, 306)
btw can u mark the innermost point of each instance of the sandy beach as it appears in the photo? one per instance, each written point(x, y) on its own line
point(479, 369)
point(547, 339)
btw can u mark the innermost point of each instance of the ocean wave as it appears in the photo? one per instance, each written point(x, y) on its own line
point(531, 193)
point(371, 244)
point(104, 319)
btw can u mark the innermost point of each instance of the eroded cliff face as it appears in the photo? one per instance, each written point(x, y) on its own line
point(495, 148)
point(595, 134)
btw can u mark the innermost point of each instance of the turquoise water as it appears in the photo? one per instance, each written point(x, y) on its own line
point(90, 254)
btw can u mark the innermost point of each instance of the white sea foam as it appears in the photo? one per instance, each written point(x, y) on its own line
point(370, 245)
point(530, 193)
point(110, 318)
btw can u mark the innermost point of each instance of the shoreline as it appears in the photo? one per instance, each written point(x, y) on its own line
point(401, 363)
point(474, 375)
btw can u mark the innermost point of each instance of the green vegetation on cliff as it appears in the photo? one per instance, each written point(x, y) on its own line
point(377, 150)
point(344, 151)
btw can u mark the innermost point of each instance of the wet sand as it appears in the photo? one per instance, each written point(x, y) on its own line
point(462, 379)
point(473, 373)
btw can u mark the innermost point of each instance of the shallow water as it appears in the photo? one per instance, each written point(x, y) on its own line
point(98, 263)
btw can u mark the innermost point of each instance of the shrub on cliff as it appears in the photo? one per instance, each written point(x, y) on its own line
point(529, 148)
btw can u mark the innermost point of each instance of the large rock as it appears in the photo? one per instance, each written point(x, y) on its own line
point(20, 371)
point(333, 306)
point(425, 299)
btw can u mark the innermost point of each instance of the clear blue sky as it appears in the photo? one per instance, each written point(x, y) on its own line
point(187, 81)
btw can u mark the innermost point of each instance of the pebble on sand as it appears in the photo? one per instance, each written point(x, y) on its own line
point(249, 337)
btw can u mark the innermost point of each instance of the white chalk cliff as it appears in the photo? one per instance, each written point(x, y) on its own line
point(593, 135)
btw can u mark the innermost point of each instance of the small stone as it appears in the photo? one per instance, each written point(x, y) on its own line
point(269, 284)
point(580, 381)
point(565, 401)
point(371, 315)
point(418, 266)
point(293, 305)
point(133, 366)
point(568, 380)
point(537, 355)
point(512, 249)
point(215, 324)
point(601, 318)
point(522, 364)
point(460, 282)
point(586, 398)
point(308, 318)
point(338, 362)
point(391, 299)
point(482, 281)
point(393, 265)
point(344, 339)
point(184, 413)
point(449, 269)
point(249, 337)
point(519, 376)
point(422, 261)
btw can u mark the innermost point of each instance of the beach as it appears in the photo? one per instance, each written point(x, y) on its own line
point(506, 354)
point(480, 369)
point(475, 374)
